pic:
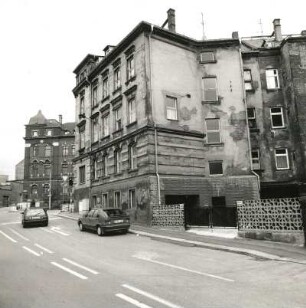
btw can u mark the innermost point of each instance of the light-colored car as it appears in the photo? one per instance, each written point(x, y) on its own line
point(34, 216)
point(105, 220)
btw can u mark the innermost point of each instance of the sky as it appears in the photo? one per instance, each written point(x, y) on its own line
point(42, 41)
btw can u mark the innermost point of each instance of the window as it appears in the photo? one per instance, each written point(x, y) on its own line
point(105, 125)
point(65, 150)
point(82, 175)
point(117, 116)
point(46, 189)
point(117, 198)
point(94, 95)
point(272, 79)
point(72, 149)
point(251, 117)
point(47, 168)
point(94, 168)
point(35, 133)
point(255, 159)
point(48, 150)
point(104, 200)
point(132, 198)
point(99, 165)
point(207, 56)
point(210, 89)
point(35, 151)
point(130, 69)
point(105, 88)
point(117, 78)
point(215, 168)
point(247, 80)
point(277, 118)
point(64, 169)
point(35, 169)
point(117, 161)
point(218, 202)
point(82, 137)
point(49, 132)
point(82, 104)
point(171, 107)
point(34, 190)
point(281, 159)
point(132, 110)
point(213, 131)
point(132, 156)
point(105, 166)
point(95, 129)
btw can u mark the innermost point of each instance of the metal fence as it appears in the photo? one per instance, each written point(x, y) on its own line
point(168, 215)
point(270, 215)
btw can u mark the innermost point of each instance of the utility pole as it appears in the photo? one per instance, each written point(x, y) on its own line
point(202, 23)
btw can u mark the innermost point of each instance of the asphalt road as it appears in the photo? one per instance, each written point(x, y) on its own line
point(59, 266)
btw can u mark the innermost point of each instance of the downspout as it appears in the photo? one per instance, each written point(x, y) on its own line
point(247, 120)
point(155, 128)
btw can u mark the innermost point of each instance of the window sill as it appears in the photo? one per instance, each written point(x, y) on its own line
point(280, 127)
point(131, 124)
point(118, 174)
point(105, 138)
point(95, 143)
point(250, 90)
point(117, 90)
point(254, 130)
point(130, 80)
point(221, 144)
point(273, 90)
point(82, 150)
point(216, 175)
point(117, 131)
point(207, 62)
point(105, 99)
point(287, 169)
point(218, 102)
point(95, 106)
point(132, 170)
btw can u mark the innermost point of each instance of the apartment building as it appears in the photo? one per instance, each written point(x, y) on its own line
point(274, 76)
point(161, 119)
point(49, 149)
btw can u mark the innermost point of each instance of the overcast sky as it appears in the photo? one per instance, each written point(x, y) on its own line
point(42, 41)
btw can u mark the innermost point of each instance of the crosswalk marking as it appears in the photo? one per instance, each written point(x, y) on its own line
point(11, 239)
point(31, 251)
point(81, 266)
point(132, 301)
point(21, 236)
point(69, 270)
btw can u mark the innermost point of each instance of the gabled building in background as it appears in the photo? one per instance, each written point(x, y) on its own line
point(49, 149)
point(161, 119)
point(275, 78)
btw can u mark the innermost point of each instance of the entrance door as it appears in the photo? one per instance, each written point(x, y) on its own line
point(223, 216)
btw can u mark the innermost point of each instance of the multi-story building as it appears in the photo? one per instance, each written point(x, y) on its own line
point(49, 149)
point(19, 171)
point(161, 118)
point(275, 78)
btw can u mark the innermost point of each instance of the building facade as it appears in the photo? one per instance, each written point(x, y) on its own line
point(49, 149)
point(161, 119)
point(275, 78)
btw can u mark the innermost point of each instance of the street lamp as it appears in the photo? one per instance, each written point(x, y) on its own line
point(64, 177)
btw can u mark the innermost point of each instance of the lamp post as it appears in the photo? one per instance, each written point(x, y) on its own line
point(64, 177)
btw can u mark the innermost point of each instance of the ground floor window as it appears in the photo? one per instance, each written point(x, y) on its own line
point(104, 200)
point(132, 198)
point(117, 199)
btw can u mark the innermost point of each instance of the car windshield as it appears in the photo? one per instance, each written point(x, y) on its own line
point(35, 212)
point(113, 212)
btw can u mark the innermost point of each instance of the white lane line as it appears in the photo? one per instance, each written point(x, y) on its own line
point(43, 248)
point(10, 223)
point(151, 296)
point(132, 301)
point(185, 269)
point(11, 239)
point(68, 270)
point(46, 230)
point(55, 229)
point(31, 251)
point(21, 236)
point(81, 266)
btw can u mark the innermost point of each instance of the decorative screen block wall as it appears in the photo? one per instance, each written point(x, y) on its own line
point(168, 215)
point(270, 215)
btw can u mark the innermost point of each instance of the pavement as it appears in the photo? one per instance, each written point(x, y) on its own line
point(224, 239)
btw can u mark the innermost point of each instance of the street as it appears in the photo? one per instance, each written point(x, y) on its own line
point(59, 266)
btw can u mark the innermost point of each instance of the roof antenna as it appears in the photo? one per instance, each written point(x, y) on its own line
point(202, 23)
point(260, 25)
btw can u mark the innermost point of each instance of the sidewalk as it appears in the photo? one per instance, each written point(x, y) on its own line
point(218, 240)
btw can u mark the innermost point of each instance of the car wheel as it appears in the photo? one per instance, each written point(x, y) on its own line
point(24, 224)
point(125, 231)
point(100, 231)
point(46, 224)
point(81, 226)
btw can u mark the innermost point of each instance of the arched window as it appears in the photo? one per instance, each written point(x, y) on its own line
point(48, 150)
point(47, 168)
point(35, 169)
point(46, 189)
point(34, 190)
point(35, 151)
point(64, 168)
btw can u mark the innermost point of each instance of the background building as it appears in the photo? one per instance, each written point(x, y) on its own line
point(161, 118)
point(49, 149)
point(19, 170)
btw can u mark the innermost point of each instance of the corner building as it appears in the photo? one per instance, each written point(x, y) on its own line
point(161, 119)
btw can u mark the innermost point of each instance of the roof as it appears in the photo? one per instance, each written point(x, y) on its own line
point(69, 126)
point(39, 118)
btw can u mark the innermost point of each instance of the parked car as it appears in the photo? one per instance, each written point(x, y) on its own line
point(105, 220)
point(34, 216)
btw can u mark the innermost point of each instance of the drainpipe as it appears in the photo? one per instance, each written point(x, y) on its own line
point(155, 128)
point(247, 120)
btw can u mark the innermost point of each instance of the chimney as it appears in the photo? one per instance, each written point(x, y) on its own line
point(60, 118)
point(171, 20)
point(303, 32)
point(277, 30)
point(235, 35)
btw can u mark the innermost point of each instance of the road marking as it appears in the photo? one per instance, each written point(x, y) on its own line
point(56, 229)
point(69, 270)
point(21, 236)
point(151, 296)
point(132, 301)
point(81, 266)
point(43, 248)
point(11, 239)
point(46, 230)
point(10, 223)
point(31, 251)
point(185, 269)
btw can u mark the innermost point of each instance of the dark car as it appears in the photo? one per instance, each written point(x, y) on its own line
point(105, 220)
point(34, 216)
